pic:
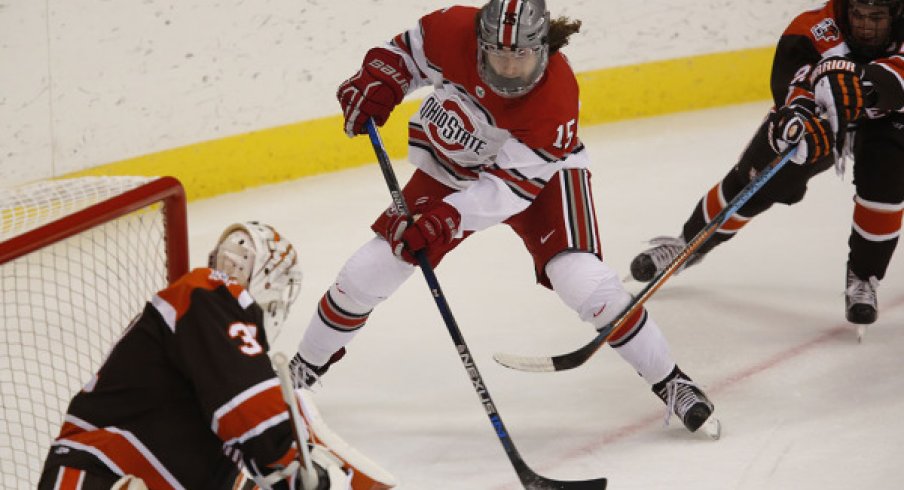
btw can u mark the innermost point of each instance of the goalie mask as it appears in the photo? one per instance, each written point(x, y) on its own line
point(265, 264)
point(513, 48)
point(869, 26)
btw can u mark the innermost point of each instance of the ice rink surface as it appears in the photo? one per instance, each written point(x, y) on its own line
point(759, 324)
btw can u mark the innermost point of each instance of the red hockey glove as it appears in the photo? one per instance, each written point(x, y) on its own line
point(797, 125)
point(374, 91)
point(438, 224)
point(838, 87)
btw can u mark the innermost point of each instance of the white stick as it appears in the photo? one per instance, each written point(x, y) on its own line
point(309, 478)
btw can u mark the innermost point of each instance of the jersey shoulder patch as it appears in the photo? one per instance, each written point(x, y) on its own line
point(819, 26)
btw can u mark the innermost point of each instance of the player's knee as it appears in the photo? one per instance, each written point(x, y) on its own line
point(588, 286)
point(371, 275)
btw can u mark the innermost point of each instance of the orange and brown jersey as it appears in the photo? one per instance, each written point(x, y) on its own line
point(187, 392)
point(815, 35)
point(498, 152)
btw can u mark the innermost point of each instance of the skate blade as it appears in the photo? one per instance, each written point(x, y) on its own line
point(861, 332)
point(712, 428)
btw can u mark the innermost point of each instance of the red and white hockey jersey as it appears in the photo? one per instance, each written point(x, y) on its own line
point(497, 152)
point(204, 398)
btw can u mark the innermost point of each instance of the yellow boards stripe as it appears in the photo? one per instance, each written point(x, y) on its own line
point(317, 146)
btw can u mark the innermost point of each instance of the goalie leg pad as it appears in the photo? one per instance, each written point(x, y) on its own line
point(332, 469)
point(362, 472)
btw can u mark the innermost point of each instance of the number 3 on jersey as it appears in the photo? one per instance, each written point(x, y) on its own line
point(564, 135)
point(248, 335)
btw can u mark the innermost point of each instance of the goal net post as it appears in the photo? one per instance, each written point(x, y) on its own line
point(78, 260)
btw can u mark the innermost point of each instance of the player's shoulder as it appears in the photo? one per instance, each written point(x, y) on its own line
point(551, 110)
point(818, 25)
point(207, 279)
point(560, 87)
point(204, 284)
point(448, 32)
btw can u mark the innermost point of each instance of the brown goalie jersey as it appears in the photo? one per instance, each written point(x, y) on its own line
point(205, 398)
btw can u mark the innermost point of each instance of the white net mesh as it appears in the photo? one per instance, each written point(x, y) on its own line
point(63, 306)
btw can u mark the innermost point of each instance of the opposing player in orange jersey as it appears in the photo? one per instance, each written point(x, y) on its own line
point(844, 61)
point(187, 397)
point(495, 141)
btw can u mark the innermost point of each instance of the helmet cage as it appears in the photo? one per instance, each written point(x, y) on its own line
point(861, 50)
point(518, 31)
point(263, 262)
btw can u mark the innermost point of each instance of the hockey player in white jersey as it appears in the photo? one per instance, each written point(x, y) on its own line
point(495, 141)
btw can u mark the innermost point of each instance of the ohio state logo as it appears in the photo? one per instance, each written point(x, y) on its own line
point(826, 30)
point(449, 126)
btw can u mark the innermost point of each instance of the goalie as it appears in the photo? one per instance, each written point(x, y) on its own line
point(188, 398)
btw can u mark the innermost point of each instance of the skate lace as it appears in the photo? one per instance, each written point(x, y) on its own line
point(860, 291)
point(679, 398)
point(665, 250)
point(303, 376)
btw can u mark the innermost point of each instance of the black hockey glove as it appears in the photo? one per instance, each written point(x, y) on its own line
point(839, 91)
point(797, 125)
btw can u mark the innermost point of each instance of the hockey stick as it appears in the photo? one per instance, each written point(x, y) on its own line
point(578, 357)
point(309, 478)
point(530, 479)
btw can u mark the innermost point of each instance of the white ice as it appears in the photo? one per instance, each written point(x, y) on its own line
point(759, 324)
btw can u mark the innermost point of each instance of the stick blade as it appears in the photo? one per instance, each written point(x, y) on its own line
point(534, 481)
point(525, 363)
point(563, 362)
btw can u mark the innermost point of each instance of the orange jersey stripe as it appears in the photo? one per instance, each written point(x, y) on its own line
point(123, 453)
point(250, 412)
point(882, 224)
point(713, 205)
point(69, 479)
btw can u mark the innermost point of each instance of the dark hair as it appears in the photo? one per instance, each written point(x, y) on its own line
point(560, 29)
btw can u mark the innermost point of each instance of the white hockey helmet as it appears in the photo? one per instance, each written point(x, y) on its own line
point(265, 264)
point(513, 45)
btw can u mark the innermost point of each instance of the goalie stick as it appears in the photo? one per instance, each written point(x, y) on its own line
point(530, 479)
point(578, 357)
point(309, 478)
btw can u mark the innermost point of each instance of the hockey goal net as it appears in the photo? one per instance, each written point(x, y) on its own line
point(78, 260)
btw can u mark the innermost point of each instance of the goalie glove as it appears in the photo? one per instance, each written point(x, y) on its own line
point(374, 91)
point(797, 125)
